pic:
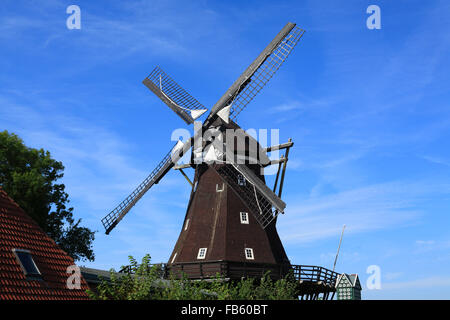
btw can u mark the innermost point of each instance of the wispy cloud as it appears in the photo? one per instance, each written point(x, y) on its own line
point(437, 160)
point(99, 165)
point(435, 281)
point(365, 209)
point(425, 242)
point(392, 275)
point(100, 170)
point(426, 246)
point(157, 29)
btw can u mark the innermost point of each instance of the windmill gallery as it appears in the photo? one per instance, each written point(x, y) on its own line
point(230, 222)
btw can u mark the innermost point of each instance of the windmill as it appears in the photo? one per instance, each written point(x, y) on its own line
point(230, 222)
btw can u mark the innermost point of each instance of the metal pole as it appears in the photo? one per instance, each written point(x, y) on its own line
point(337, 254)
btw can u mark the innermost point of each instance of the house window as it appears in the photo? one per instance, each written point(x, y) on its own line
point(241, 180)
point(220, 189)
point(174, 256)
point(201, 253)
point(186, 225)
point(27, 263)
point(249, 254)
point(244, 217)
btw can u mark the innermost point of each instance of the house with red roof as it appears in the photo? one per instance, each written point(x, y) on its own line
point(32, 265)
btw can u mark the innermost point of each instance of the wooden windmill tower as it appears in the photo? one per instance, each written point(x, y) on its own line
point(230, 223)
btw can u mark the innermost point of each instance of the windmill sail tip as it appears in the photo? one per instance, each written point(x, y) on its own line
point(197, 113)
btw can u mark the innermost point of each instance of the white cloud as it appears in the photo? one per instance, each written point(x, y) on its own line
point(364, 209)
point(392, 275)
point(437, 160)
point(436, 281)
point(425, 242)
point(100, 171)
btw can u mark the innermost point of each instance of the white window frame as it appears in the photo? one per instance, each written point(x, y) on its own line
point(202, 250)
point(252, 256)
point(174, 256)
point(221, 189)
point(186, 225)
point(242, 214)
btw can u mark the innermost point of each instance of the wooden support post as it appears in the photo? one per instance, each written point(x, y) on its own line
point(284, 170)
point(276, 179)
point(187, 178)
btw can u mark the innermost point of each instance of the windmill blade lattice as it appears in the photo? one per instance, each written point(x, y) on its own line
point(265, 72)
point(114, 217)
point(173, 95)
point(260, 206)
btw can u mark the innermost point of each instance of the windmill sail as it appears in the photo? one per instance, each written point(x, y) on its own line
point(262, 202)
point(181, 102)
point(265, 72)
point(255, 77)
point(171, 158)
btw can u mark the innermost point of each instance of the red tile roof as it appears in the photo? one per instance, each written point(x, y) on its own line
point(19, 231)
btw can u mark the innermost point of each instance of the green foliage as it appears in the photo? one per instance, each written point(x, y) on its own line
point(144, 282)
point(29, 177)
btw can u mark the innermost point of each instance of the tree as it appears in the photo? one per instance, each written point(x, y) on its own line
point(29, 177)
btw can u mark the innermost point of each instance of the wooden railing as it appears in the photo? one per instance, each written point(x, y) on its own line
point(208, 269)
point(314, 274)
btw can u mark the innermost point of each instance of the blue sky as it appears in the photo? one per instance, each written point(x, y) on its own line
point(368, 111)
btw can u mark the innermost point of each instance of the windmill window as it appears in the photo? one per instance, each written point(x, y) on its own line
point(221, 188)
point(174, 256)
point(195, 186)
point(249, 254)
point(201, 253)
point(241, 180)
point(27, 264)
point(244, 217)
point(186, 225)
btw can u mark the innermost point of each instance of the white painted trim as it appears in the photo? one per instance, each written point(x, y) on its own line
point(204, 253)
point(244, 221)
point(252, 256)
point(221, 189)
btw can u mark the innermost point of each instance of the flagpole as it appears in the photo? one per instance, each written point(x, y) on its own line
point(337, 254)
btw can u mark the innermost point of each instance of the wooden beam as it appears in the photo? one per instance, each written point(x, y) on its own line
point(278, 161)
point(278, 175)
point(284, 170)
point(182, 166)
point(187, 178)
point(280, 146)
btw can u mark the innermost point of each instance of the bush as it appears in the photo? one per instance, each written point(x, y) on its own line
point(144, 282)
